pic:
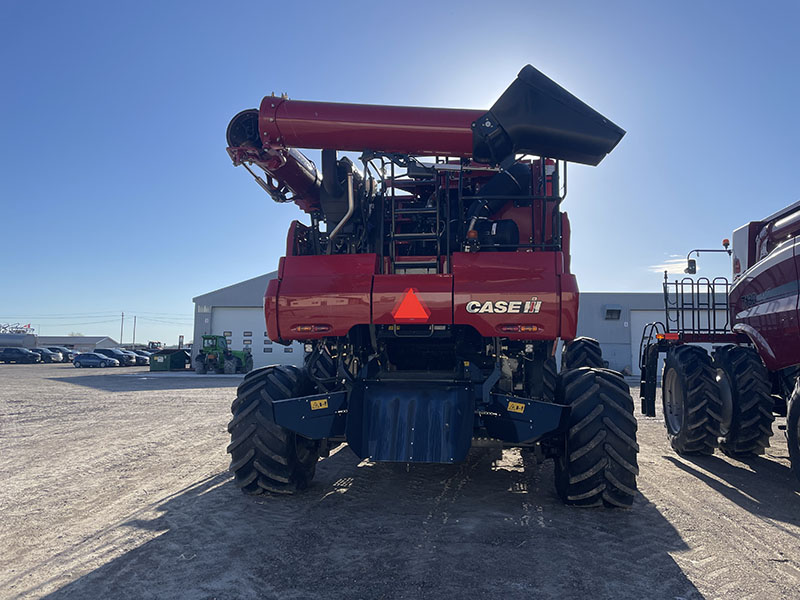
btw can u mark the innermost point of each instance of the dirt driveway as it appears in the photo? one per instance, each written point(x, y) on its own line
point(114, 485)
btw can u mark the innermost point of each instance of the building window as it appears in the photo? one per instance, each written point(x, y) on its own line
point(266, 334)
point(267, 342)
point(612, 312)
point(267, 349)
point(288, 349)
point(227, 333)
point(247, 334)
point(247, 342)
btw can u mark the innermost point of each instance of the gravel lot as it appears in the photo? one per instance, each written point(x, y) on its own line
point(115, 485)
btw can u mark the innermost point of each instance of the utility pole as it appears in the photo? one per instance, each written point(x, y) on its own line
point(134, 333)
point(121, 325)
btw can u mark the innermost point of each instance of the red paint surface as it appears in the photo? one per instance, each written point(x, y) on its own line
point(342, 291)
point(357, 127)
point(435, 292)
point(764, 306)
point(511, 276)
point(324, 290)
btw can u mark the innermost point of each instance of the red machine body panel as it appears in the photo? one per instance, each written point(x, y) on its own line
point(423, 299)
point(330, 293)
point(496, 289)
point(323, 296)
point(357, 127)
point(764, 306)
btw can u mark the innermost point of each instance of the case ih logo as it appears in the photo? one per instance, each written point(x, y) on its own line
point(532, 306)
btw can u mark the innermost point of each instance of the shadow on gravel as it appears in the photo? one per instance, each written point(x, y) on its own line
point(770, 489)
point(136, 382)
point(476, 530)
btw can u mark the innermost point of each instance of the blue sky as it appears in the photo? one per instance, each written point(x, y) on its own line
point(116, 191)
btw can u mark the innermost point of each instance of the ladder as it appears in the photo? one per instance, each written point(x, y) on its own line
point(406, 210)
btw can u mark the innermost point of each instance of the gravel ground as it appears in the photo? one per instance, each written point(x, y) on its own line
point(115, 485)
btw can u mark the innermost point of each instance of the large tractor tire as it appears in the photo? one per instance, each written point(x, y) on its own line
point(200, 367)
point(744, 386)
point(230, 366)
point(322, 370)
point(582, 352)
point(598, 465)
point(793, 429)
point(544, 368)
point(265, 457)
point(691, 400)
point(248, 364)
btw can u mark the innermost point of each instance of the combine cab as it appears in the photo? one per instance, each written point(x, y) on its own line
point(728, 399)
point(430, 287)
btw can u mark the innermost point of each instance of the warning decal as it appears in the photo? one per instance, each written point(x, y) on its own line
point(411, 308)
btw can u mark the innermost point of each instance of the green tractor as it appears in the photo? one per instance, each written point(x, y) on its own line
point(216, 356)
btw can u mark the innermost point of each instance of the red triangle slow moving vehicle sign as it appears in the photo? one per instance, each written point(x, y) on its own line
point(410, 308)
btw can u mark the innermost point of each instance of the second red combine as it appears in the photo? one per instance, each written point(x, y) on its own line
point(430, 286)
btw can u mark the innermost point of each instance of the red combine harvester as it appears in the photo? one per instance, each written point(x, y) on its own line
point(729, 401)
point(430, 290)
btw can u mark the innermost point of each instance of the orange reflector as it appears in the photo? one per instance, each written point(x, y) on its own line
point(410, 308)
point(311, 328)
point(472, 234)
point(515, 328)
point(659, 336)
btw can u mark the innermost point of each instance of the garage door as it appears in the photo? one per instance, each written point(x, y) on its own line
point(244, 328)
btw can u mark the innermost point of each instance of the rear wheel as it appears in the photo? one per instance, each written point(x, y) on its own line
point(77, 365)
point(230, 366)
point(793, 429)
point(582, 352)
point(744, 385)
point(541, 368)
point(266, 457)
point(248, 364)
point(597, 465)
point(692, 404)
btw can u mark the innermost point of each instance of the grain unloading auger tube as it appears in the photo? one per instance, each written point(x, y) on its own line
point(429, 291)
point(533, 116)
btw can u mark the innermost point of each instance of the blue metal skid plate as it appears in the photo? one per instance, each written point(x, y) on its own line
point(410, 422)
point(521, 420)
point(315, 417)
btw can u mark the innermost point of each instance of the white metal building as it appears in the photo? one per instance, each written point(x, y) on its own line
point(237, 313)
point(616, 319)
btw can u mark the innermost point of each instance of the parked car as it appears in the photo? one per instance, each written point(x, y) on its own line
point(18, 355)
point(137, 360)
point(125, 359)
point(67, 355)
point(142, 357)
point(92, 359)
point(48, 356)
